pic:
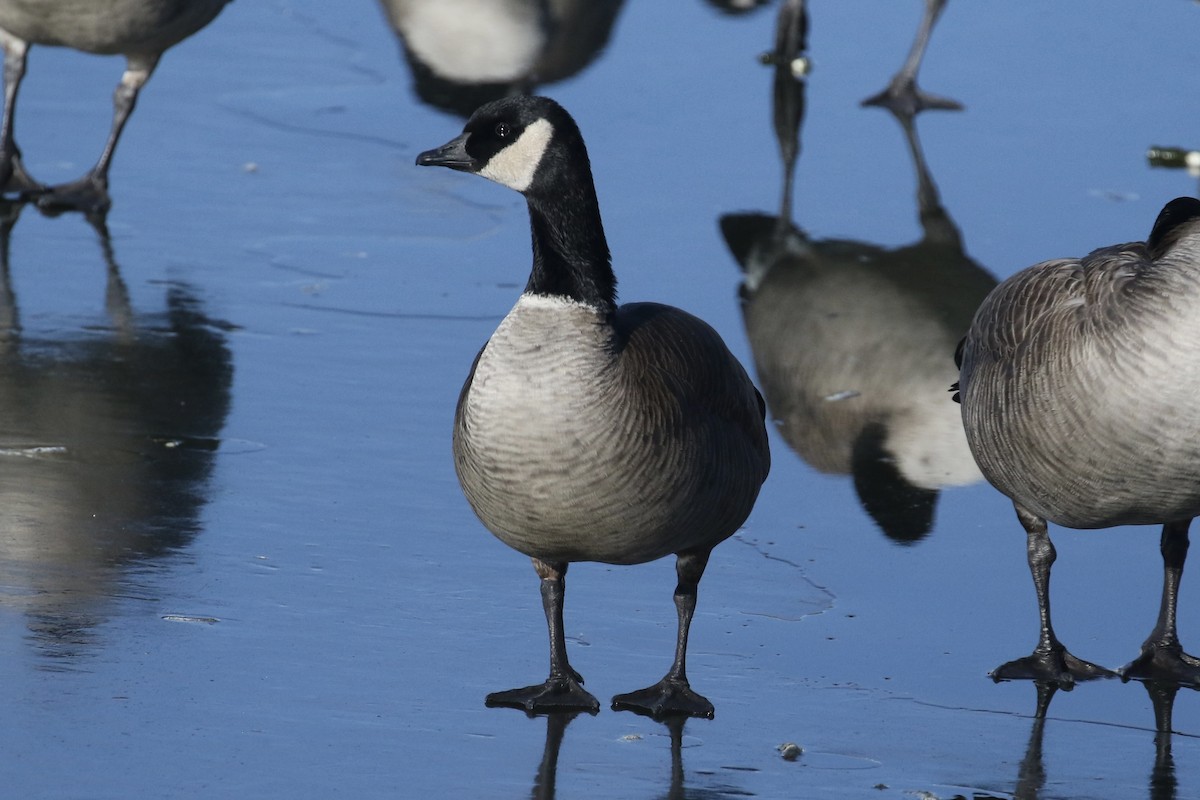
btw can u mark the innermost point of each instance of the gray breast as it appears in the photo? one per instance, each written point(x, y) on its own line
point(581, 440)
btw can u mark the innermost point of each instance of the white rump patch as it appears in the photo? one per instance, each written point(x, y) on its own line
point(515, 165)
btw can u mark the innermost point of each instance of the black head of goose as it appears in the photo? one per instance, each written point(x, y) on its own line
point(591, 432)
point(1078, 388)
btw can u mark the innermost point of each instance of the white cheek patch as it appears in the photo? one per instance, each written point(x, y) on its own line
point(515, 165)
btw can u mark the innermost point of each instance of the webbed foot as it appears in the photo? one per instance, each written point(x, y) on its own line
point(1163, 664)
point(906, 99)
point(89, 195)
point(557, 694)
point(1054, 666)
point(669, 697)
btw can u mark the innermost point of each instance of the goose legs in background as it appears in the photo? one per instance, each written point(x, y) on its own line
point(14, 180)
point(902, 95)
point(90, 193)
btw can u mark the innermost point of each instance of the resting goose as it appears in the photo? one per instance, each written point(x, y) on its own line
point(1078, 388)
point(141, 30)
point(588, 431)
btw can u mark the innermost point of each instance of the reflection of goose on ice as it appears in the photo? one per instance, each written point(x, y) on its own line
point(106, 445)
point(1031, 773)
point(853, 341)
point(464, 53)
point(546, 780)
point(737, 7)
point(902, 95)
point(1163, 783)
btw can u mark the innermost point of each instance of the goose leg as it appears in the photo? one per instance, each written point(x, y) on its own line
point(90, 193)
point(1162, 657)
point(673, 695)
point(562, 691)
point(1050, 661)
point(13, 178)
point(902, 95)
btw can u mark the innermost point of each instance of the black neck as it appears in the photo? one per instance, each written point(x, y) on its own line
point(570, 253)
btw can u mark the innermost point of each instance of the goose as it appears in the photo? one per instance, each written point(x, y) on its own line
point(1077, 382)
point(588, 431)
point(141, 30)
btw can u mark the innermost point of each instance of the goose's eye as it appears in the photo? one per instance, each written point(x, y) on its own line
point(502, 130)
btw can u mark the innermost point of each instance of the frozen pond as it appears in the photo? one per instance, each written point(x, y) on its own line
point(234, 558)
